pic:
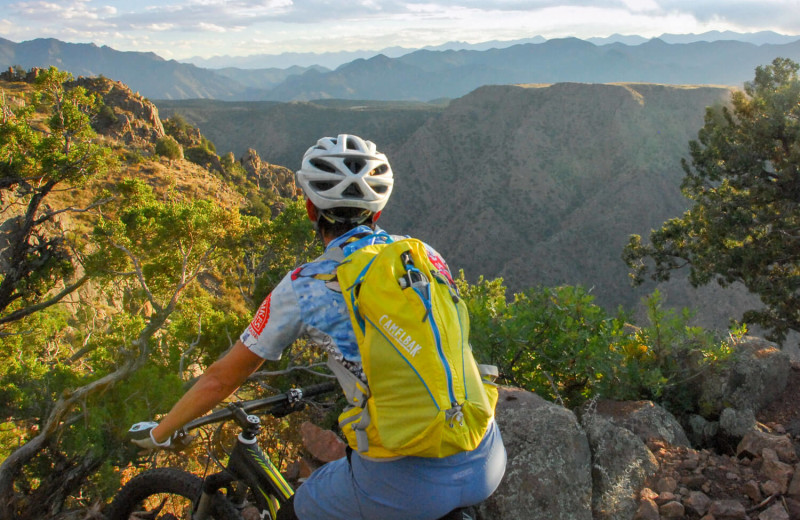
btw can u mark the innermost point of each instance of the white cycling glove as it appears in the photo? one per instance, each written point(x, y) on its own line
point(141, 434)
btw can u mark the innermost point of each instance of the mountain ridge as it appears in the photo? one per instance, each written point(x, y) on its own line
point(420, 75)
point(333, 59)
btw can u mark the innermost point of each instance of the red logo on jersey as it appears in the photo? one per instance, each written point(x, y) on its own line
point(261, 319)
point(440, 265)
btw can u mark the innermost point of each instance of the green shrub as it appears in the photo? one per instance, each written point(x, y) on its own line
point(559, 344)
point(169, 148)
point(664, 359)
point(106, 115)
point(553, 341)
point(201, 156)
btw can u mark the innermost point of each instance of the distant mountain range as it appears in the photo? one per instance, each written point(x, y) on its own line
point(331, 60)
point(421, 75)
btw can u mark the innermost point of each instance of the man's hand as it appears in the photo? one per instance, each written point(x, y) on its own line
point(141, 434)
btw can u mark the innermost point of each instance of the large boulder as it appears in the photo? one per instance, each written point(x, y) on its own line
point(758, 375)
point(646, 419)
point(548, 476)
point(621, 463)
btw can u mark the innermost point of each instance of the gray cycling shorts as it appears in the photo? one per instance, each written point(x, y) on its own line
point(411, 487)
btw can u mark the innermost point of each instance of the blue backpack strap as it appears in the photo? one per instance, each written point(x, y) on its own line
point(358, 241)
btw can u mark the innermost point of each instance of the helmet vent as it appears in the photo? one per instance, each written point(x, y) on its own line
point(322, 185)
point(323, 165)
point(353, 191)
point(380, 170)
point(351, 144)
point(354, 165)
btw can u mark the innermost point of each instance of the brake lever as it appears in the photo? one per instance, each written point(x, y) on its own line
point(294, 402)
point(181, 439)
point(284, 409)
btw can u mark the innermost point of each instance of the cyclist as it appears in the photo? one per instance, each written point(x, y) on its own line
point(347, 183)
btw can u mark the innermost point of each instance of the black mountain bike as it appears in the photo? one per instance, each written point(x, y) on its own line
point(248, 480)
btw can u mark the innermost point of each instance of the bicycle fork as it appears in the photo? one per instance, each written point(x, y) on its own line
point(249, 467)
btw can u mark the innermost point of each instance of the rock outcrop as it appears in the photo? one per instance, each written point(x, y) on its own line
point(621, 463)
point(645, 419)
point(270, 177)
point(127, 116)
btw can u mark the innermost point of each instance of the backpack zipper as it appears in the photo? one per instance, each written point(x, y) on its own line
point(426, 298)
point(442, 359)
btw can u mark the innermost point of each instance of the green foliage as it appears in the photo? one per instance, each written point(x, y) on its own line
point(201, 156)
point(32, 367)
point(178, 128)
point(169, 148)
point(553, 341)
point(148, 252)
point(106, 115)
point(292, 238)
point(664, 360)
point(744, 184)
point(179, 238)
point(172, 282)
point(196, 147)
point(187, 135)
point(36, 157)
point(558, 343)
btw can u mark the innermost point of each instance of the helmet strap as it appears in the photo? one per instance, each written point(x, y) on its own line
point(332, 218)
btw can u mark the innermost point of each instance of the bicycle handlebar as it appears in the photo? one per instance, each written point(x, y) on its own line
point(289, 397)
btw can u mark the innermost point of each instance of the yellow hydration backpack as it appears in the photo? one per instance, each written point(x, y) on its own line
point(425, 394)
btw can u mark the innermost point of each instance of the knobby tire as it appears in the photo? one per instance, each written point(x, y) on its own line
point(166, 481)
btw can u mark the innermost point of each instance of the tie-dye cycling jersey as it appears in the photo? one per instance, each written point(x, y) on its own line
point(308, 302)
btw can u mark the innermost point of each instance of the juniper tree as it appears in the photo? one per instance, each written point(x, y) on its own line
point(744, 184)
point(37, 159)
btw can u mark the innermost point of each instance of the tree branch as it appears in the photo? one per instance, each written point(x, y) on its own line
point(21, 313)
point(71, 209)
point(192, 346)
point(139, 275)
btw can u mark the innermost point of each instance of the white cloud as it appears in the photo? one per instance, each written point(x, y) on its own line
point(5, 26)
point(213, 27)
point(158, 27)
point(638, 6)
point(742, 14)
point(210, 27)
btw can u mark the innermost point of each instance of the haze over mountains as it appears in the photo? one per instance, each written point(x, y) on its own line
point(420, 75)
point(331, 60)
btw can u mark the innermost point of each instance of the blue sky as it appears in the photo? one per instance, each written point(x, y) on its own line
point(179, 29)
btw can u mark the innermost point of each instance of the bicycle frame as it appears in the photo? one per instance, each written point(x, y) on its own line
point(247, 465)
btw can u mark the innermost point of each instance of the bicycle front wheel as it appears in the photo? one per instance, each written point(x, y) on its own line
point(165, 494)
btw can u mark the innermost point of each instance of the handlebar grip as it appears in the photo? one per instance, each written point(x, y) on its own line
point(321, 388)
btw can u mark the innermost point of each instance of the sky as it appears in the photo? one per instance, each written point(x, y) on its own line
point(180, 29)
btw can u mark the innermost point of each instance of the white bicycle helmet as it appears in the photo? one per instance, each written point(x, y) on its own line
point(346, 172)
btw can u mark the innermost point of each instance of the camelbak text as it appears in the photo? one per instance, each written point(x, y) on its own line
point(405, 341)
